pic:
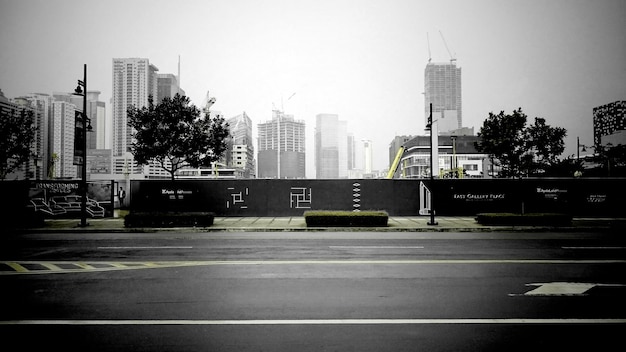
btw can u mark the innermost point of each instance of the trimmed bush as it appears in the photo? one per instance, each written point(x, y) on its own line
point(169, 219)
point(346, 218)
point(530, 219)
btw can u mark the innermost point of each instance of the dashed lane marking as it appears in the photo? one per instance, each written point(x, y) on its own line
point(148, 247)
point(376, 247)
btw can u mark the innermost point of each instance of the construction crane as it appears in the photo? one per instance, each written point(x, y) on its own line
point(396, 162)
point(428, 41)
point(452, 57)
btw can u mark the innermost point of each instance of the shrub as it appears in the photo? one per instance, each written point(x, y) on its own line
point(346, 218)
point(530, 219)
point(168, 219)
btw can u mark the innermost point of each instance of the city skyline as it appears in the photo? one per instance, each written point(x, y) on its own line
point(363, 60)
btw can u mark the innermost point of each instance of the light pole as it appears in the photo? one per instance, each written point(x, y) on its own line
point(578, 173)
point(429, 126)
point(453, 161)
point(85, 125)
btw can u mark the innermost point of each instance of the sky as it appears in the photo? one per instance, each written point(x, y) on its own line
point(361, 59)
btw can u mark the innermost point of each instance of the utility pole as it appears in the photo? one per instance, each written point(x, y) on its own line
point(83, 136)
point(432, 169)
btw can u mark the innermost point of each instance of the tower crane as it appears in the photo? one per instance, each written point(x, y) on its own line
point(452, 58)
point(428, 41)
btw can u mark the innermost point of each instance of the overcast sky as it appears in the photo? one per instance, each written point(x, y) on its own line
point(363, 59)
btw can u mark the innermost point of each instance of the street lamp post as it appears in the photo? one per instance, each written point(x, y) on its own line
point(429, 126)
point(578, 173)
point(84, 122)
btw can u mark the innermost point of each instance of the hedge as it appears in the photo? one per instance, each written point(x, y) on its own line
point(530, 219)
point(346, 218)
point(169, 219)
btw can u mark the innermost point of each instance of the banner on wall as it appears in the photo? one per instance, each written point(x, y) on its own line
point(62, 199)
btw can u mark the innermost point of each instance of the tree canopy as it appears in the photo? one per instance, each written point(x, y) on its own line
point(173, 134)
point(519, 149)
point(17, 134)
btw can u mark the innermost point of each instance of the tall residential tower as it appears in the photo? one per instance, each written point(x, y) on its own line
point(442, 88)
point(281, 147)
point(134, 79)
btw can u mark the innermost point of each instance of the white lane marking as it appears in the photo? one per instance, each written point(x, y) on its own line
point(599, 247)
point(149, 247)
point(562, 288)
point(559, 289)
point(376, 247)
point(317, 321)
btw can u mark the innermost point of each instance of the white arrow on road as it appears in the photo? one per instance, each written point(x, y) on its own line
point(562, 288)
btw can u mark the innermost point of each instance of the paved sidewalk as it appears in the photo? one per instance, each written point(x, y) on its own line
point(297, 223)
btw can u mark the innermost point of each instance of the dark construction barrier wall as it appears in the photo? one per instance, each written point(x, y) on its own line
point(579, 197)
point(274, 197)
point(57, 198)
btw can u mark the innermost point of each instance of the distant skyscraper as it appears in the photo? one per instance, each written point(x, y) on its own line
point(442, 88)
point(96, 112)
point(134, 79)
point(368, 155)
point(609, 124)
point(40, 104)
point(281, 147)
point(331, 147)
point(241, 152)
point(351, 152)
point(63, 122)
point(168, 86)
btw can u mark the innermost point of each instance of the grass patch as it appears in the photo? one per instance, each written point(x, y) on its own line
point(169, 219)
point(346, 218)
point(530, 219)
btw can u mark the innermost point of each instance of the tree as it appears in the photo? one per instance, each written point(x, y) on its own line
point(612, 159)
point(173, 134)
point(17, 134)
point(520, 150)
point(545, 143)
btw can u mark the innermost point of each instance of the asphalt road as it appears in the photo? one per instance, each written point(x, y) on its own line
point(316, 291)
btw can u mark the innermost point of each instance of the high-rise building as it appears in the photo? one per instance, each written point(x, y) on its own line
point(168, 86)
point(609, 124)
point(40, 105)
point(351, 152)
point(96, 111)
point(134, 80)
point(442, 89)
point(36, 166)
point(281, 146)
point(368, 157)
point(62, 136)
point(331, 147)
point(240, 153)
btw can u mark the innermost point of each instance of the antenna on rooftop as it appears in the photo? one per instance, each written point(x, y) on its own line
point(178, 78)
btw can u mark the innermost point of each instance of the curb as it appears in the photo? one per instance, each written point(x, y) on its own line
point(529, 229)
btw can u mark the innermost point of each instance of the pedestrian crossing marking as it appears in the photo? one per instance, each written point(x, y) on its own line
point(57, 267)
